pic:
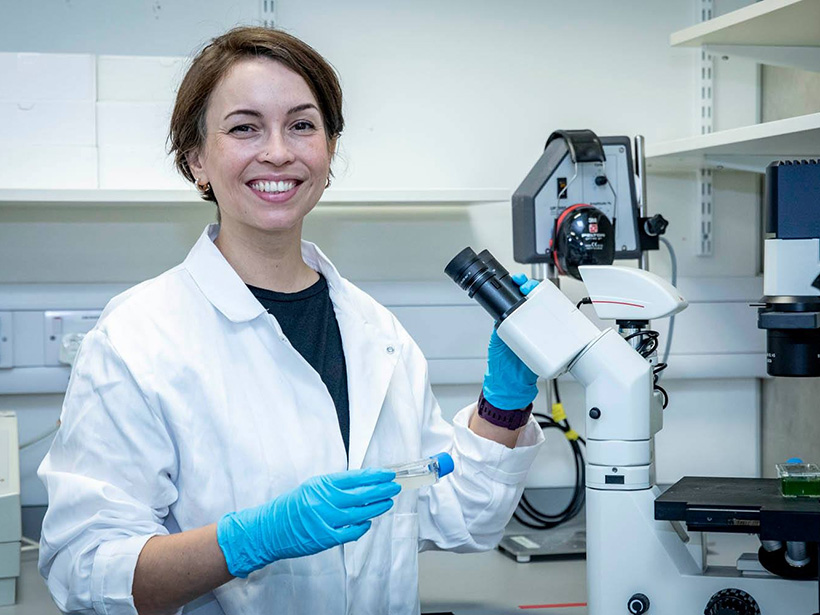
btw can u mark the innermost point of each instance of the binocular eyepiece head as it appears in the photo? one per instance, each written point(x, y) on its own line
point(486, 280)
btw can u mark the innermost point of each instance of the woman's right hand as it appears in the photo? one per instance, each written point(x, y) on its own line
point(323, 512)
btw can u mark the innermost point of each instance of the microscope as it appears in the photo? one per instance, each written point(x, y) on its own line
point(645, 549)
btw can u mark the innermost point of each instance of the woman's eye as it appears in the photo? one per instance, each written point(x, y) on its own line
point(242, 128)
point(303, 125)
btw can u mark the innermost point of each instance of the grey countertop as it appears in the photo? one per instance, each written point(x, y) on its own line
point(494, 583)
point(490, 583)
point(32, 594)
point(468, 584)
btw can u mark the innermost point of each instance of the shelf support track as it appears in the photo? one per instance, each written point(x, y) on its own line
point(267, 13)
point(707, 69)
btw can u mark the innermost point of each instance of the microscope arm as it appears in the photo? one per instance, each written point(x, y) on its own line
point(552, 336)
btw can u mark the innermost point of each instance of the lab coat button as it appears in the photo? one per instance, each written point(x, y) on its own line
point(390, 350)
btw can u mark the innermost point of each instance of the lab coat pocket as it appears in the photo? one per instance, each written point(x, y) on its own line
point(404, 591)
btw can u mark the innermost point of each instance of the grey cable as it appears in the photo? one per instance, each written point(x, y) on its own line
point(39, 439)
point(674, 261)
point(29, 545)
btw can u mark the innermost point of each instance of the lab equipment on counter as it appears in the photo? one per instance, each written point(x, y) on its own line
point(790, 311)
point(799, 479)
point(427, 471)
point(10, 521)
point(580, 205)
point(640, 558)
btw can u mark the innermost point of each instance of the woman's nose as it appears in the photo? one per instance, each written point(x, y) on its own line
point(276, 150)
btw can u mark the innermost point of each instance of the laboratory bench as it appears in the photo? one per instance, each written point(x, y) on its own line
point(32, 594)
point(490, 583)
point(464, 584)
point(493, 583)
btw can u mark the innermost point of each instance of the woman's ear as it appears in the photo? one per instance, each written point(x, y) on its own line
point(194, 160)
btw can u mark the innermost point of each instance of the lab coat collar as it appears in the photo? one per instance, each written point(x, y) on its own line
point(226, 291)
point(218, 281)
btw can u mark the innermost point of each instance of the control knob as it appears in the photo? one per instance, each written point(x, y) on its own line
point(731, 602)
point(638, 604)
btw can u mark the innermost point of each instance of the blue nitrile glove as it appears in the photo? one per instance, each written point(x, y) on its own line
point(508, 383)
point(321, 513)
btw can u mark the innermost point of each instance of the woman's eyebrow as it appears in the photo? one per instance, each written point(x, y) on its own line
point(301, 107)
point(255, 113)
point(252, 112)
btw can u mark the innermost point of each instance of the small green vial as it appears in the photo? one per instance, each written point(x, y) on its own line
point(799, 480)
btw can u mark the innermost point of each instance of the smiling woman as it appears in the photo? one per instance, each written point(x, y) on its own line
point(255, 127)
point(266, 157)
point(226, 422)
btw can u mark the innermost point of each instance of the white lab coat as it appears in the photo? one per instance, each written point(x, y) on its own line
point(187, 402)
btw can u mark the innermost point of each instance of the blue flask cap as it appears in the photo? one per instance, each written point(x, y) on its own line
point(445, 464)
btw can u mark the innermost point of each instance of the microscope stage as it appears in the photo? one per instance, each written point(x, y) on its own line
point(740, 505)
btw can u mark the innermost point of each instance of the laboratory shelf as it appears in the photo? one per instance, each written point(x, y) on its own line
point(776, 32)
point(792, 23)
point(161, 198)
point(750, 148)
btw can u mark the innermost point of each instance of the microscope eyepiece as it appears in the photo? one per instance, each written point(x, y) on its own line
point(486, 280)
point(468, 271)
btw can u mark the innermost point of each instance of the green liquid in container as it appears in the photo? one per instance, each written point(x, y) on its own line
point(799, 480)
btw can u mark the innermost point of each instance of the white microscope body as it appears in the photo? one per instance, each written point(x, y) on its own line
point(635, 564)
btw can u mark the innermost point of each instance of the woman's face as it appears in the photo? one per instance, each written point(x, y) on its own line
point(266, 154)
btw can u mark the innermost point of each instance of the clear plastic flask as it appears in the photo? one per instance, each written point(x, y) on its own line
point(415, 474)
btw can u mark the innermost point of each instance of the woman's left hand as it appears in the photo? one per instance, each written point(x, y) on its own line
point(508, 383)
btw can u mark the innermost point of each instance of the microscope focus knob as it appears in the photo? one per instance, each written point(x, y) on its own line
point(638, 604)
point(732, 602)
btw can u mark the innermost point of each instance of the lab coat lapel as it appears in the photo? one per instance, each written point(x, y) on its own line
point(371, 353)
point(371, 358)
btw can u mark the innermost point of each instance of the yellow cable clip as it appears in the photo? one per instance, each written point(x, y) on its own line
point(572, 435)
point(558, 413)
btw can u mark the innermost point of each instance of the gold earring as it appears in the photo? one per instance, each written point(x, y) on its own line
point(203, 188)
point(327, 183)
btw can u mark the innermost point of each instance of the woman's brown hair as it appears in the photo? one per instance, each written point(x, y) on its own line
point(188, 130)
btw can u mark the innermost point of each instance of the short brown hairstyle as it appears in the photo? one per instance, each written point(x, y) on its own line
point(188, 130)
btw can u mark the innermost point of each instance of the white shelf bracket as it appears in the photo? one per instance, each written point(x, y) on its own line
point(704, 246)
point(707, 70)
point(803, 58)
point(267, 13)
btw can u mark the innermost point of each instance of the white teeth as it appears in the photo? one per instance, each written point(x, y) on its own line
point(282, 186)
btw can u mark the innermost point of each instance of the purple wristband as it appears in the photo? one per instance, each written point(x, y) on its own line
point(511, 419)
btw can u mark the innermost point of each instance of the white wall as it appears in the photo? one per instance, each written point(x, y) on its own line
point(464, 93)
point(135, 27)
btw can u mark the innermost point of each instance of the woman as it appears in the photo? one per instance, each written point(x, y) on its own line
point(219, 415)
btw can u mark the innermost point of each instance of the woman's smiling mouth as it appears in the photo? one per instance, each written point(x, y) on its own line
point(274, 190)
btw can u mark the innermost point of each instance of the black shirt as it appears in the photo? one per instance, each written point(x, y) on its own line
point(309, 322)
